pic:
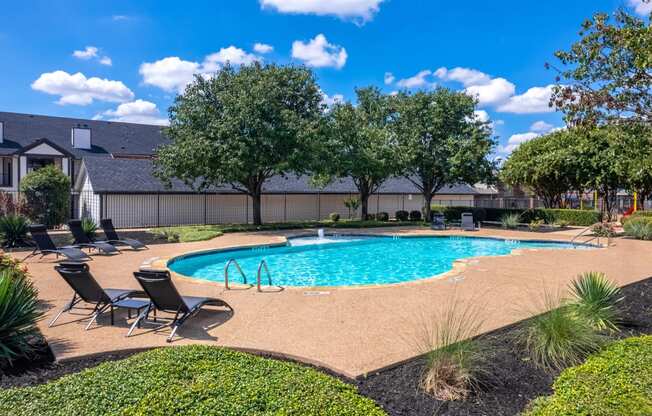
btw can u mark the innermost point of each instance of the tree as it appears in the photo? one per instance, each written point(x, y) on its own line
point(440, 141)
point(547, 165)
point(607, 74)
point(635, 165)
point(358, 144)
point(47, 195)
point(241, 127)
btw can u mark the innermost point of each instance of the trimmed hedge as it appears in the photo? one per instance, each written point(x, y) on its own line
point(191, 380)
point(577, 217)
point(615, 381)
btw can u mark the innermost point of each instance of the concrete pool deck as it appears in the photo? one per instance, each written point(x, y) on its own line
point(352, 331)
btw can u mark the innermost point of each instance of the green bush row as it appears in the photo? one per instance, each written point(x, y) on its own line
point(577, 217)
point(191, 380)
point(639, 227)
point(615, 381)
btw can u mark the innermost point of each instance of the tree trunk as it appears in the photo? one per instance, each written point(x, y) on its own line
point(255, 198)
point(364, 205)
point(427, 208)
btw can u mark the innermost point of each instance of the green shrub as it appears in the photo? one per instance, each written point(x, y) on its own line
point(18, 312)
point(596, 299)
point(549, 216)
point(334, 216)
point(639, 227)
point(615, 381)
point(370, 217)
point(455, 214)
point(645, 214)
point(510, 221)
point(562, 223)
point(535, 225)
point(189, 233)
point(191, 380)
point(382, 216)
point(47, 195)
point(402, 215)
point(559, 337)
point(13, 230)
point(89, 227)
point(577, 217)
point(415, 215)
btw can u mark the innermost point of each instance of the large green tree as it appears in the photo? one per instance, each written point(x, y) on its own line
point(241, 127)
point(607, 74)
point(635, 161)
point(440, 141)
point(358, 144)
point(549, 166)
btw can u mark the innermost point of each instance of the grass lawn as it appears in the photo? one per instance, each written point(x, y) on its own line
point(189, 233)
point(191, 380)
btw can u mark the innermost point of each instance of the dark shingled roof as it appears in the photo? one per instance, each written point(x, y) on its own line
point(108, 137)
point(135, 176)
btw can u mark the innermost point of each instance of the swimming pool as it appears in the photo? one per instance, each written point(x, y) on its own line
point(350, 260)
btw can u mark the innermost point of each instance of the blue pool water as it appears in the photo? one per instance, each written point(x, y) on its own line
point(350, 260)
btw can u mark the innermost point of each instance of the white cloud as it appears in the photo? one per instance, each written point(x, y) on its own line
point(360, 11)
point(541, 127)
point(173, 73)
point(105, 60)
point(330, 100)
point(389, 78)
point(318, 53)
point(120, 17)
point(466, 76)
point(139, 111)
point(515, 141)
point(644, 9)
point(88, 53)
point(263, 48)
point(534, 100)
point(494, 92)
point(79, 90)
point(482, 116)
point(417, 81)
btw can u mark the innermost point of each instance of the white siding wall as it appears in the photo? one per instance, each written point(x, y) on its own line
point(89, 202)
point(153, 210)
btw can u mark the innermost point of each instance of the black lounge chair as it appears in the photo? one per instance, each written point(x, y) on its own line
point(164, 296)
point(113, 238)
point(45, 246)
point(82, 240)
point(438, 222)
point(86, 289)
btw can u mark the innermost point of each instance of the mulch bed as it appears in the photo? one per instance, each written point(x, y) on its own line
point(514, 382)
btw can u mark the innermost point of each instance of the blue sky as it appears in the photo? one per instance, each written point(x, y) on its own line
point(125, 60)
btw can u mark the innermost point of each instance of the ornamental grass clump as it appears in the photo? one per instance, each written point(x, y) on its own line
point(596, 300)
point(455, 362)
point(510, 221)
point(639, 228)
point(13, 230)
point(559, 337)
point(89, 227)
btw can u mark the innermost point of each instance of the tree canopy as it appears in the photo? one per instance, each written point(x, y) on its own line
point(440, 141)
point(607, 74)
point(241, 127)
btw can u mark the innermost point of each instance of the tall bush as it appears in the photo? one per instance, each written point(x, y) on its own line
point(47, 195)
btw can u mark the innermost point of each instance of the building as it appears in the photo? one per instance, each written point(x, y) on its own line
point(110, 166)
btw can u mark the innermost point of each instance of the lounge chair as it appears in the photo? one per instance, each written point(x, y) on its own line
point(82, 240)
point(438, 222)
point(165, 297)
point(86, 289)
point(45, 246)
point(467, 223)
point(113, 238)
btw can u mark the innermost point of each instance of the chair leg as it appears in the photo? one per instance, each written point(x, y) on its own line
point(65, 309)
point(174, 330)
point(98, 311)
point(136, 323)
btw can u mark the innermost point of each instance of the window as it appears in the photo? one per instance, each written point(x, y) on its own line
point(6, 172)
point(35, 163)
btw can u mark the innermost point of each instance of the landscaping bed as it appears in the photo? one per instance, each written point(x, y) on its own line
point(514, 381)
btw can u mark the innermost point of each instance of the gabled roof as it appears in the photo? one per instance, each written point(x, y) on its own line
point(47, 142)
point(135, 176)
point(108, 137)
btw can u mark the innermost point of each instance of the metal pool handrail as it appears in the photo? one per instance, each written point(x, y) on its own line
point(226, 272)
point(260, 269)
point(583, 232)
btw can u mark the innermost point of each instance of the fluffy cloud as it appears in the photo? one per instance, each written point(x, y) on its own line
point(330, 100)
point(644, 9)
point(263, 48)
point(360, 11)
point(495, 91)
point(515, 141)
point(318, 53)
point(466, 76)
point(482, 116)
point(138, 111)
point(389, 78)
point(417, 81)
point(534, 100)
point(92, 52)
point(541, 127)
point(79, 90)
point(173, 73)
